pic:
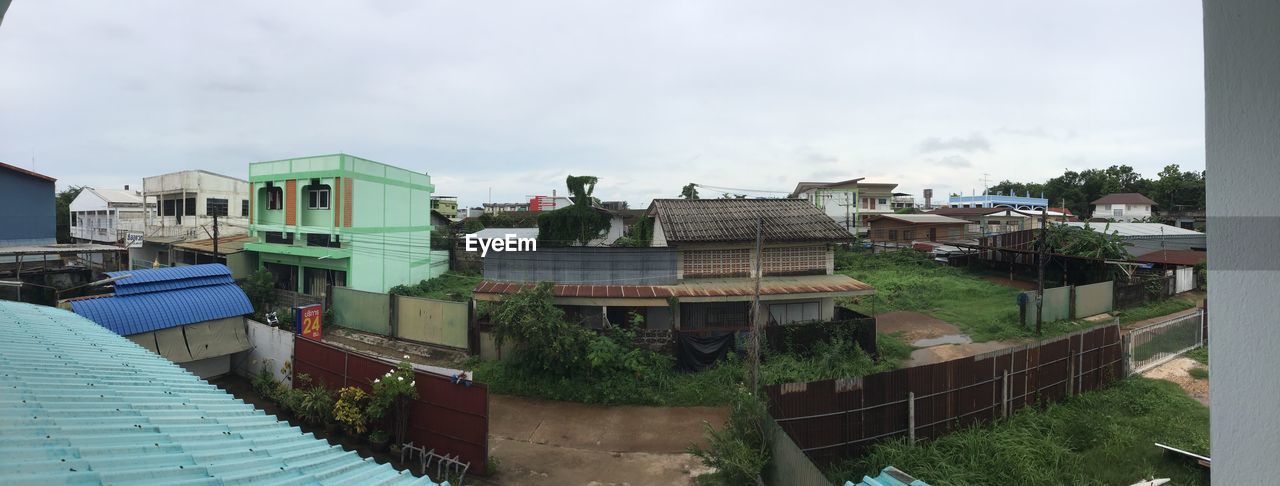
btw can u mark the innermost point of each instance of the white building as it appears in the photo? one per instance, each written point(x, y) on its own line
point(851, 203)
point(1125, 206)
point(108, 215)
point(185, 204)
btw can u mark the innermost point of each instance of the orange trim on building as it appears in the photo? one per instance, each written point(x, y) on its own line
point(346, 202)
point(291, 202)
point(337, 198)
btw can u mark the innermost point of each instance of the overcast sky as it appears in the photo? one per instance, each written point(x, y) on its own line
point(647, 95)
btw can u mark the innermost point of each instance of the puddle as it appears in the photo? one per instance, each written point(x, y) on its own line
point(940, 340)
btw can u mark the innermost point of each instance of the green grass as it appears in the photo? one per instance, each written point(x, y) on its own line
point(910, 281)
point(1152, 309)
point(1101, 437)
point(1199, 373)
point(668, 387)
point(1200, 354)
point(449, 286)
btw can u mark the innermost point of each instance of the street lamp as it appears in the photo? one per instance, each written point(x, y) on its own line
point(57, 292)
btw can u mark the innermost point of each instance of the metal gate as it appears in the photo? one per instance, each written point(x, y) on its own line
point(1153, 345)
point(1185, 278)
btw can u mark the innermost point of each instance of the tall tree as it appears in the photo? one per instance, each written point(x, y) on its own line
point(63, 212)
point(689, 191)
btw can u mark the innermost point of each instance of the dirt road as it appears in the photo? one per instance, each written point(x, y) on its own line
point(539, 442)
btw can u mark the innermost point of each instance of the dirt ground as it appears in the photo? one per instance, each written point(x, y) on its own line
point(914, 326)
point(1176, 370)
point(1005, 281)
point(539, 442)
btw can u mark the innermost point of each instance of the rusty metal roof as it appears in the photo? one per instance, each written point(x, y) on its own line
point(733, 220)
point(709, 287)
point(1174, 257)
point(226, 244)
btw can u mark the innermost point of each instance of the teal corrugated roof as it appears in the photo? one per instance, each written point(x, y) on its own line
point(80, 404)
point(889, 476)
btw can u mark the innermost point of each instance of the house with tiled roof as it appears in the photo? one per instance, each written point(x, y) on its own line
point(191, 315)
point(698, 272)
point(83, 405)
point(1124, 206)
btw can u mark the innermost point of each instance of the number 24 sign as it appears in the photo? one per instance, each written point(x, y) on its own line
point(308, 319)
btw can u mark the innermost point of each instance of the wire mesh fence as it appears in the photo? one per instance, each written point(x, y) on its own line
point(1152, 345)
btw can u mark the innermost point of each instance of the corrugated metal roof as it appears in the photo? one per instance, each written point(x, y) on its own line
point(170, 278)
point(919, 218)
point(1174, 257)
point(82, 405)
point(1138, 229)
point(734, 220)
point(709, 287)
point(151, 311)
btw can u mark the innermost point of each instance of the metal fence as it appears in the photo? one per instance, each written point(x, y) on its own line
point(836, 419)
point(1153, 345)
point(450, 419)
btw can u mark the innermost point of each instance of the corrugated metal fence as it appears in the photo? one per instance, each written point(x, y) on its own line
point(835, 419)
point(451, 419)
point(362, 311)
point(430, 321)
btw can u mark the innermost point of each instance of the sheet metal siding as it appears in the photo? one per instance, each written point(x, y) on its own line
point(449, 418)
point(839, 419)
point(360, 310)
point(83, 405)
point(29, 210)
point(623, 266)
point(133, 314)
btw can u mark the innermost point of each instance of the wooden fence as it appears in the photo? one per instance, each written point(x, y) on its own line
point(451, 419)
point(837, 419)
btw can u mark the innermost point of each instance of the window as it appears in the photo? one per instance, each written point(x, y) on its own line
point(908, 234)
point(933, 234)
point(244, 208)
point(322, 239)
point(717, 263)
point(189, 206)
point(169, 208)
point(1117, 213)
point(73, 220)
point(893, 235)
point(883, 201)
point(279, 238)
point(275, 198)
point(215, 207)
point(795, 312)
point(317, 197)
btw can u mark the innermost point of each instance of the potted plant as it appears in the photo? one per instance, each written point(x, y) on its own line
point(316, 408)
point(349, 410)
point(392, 394)
point(378, 440)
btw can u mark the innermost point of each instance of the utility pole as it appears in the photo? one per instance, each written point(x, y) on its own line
point(755, 313)
point(1040, 264)
point(215, 238)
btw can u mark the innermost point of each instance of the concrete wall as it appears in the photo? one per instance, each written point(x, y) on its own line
point(1242, 141)
point(272, 348)
point(29, 212)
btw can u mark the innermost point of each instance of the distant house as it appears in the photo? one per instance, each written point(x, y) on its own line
point(185, 204)
point(989, 221)
point(853, 202)
point(445, 205)
point(107, 215)
point(1010, 200)
point(29, 216)
point(500, 208)
point(907, 228)
point(697, 276)
point(193, 316)
point(342, 220)
point(1125, 206)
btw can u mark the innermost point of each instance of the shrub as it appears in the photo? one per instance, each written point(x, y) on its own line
point(739, 450)
point(260, 288)
point(543, 339)
point(391, 396)
point(264, 383)
point(349, 410)
point(378, 435)
point(316, 405)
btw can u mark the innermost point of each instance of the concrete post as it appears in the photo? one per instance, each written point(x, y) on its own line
point(1004, 395)
point(911, 416)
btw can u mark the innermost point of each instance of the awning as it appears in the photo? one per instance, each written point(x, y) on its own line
point(695, 290)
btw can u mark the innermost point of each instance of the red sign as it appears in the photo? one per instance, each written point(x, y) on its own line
point(308, 319)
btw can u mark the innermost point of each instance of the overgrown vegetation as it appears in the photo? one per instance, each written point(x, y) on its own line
point(1200, 354)
point(1103, 437)
point(639, 234)
point(1173, 188)
point(909, 280)
point(1152, 309)
point(739, 450)
point(449, 286)
point(260, 288)
point(1199, 373)
point(578, 223)
point(558, 359)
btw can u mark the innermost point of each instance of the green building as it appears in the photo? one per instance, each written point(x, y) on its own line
point(341, 220)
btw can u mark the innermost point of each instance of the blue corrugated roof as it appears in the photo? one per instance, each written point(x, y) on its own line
point(138, 313)
point(83, 405)
point(889, 476)
point(171, 278)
